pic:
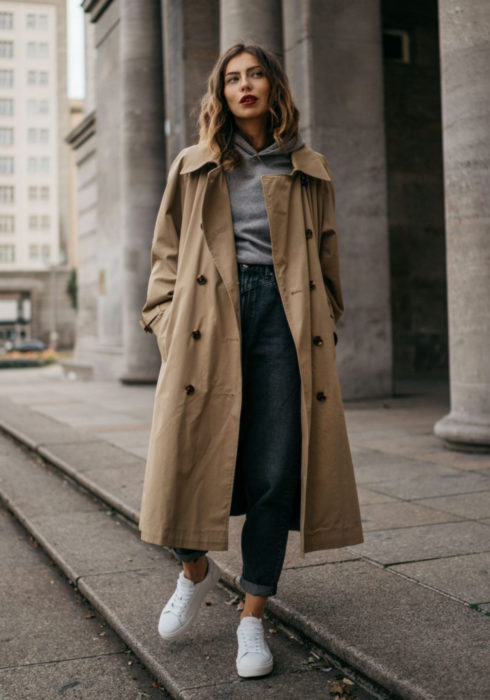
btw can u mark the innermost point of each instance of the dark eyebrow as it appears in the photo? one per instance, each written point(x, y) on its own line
point(233, 72)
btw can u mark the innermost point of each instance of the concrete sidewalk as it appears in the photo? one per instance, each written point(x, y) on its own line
point(408, 607)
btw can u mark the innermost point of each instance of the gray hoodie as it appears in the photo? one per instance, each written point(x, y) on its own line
point(250, 223)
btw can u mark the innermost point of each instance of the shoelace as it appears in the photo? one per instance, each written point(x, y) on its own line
point(180, 599)
point(251, 640)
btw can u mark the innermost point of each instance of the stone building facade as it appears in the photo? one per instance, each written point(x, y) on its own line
point(393, 94)
point(35, 246)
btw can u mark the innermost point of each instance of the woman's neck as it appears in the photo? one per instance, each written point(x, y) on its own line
point(255, 134)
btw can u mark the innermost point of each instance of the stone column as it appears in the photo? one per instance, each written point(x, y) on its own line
point(191, 49)
point(143, 173)
point(255, 20)
point(464, 28)
point(333, 57)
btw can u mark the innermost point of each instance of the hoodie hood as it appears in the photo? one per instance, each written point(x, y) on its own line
point(248, 151)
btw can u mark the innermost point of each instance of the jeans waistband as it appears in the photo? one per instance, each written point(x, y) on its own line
point(255, 268)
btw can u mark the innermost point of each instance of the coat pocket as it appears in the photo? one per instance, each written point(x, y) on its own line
point(159, 329)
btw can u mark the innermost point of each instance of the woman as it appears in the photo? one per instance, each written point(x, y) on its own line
point(244, 295)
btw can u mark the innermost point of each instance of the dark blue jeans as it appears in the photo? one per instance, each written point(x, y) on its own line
point(267, 476)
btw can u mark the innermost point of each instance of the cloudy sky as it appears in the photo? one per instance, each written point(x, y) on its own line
point(75, 49)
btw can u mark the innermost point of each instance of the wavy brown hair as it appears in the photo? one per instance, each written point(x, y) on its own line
point(216, 121)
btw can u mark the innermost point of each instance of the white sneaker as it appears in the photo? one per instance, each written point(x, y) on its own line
point(183, 605)
point(254, 657)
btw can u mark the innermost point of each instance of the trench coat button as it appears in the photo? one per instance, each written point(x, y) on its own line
point(202, 279)
point(309, 233)
point(320, 396)
point(304, 179)
point(190, 389)
point(312, 284)
point(196, 333)
point(318, 340)
point(171, 293)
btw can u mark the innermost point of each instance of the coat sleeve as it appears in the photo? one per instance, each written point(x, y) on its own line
point(328, 246)
point(164, 249)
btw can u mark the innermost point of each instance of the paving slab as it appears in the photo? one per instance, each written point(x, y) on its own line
point(438, 481)
point(467, 505)
point(133, 441)
point(467, 577)
point(396, 625)
point(308, 683)
point(53, 642)
point(34, 429)
point(92, 678)
point(85, 456)
point(454, 458)
point(89, 413)
point(38, 625)
point(424, 542)
point(27, 486)
point(368, 496)
point(381, 516)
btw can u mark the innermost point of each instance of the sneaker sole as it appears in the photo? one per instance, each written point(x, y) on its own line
point(214, 578)
point(257, 671)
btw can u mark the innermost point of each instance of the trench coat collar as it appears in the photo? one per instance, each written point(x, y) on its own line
point(304, 159)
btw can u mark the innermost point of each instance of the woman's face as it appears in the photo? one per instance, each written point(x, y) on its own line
point(245, 76)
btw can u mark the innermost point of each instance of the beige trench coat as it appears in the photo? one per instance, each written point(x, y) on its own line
point(193, 308)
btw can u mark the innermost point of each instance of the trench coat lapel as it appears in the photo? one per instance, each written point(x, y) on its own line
point(217, 223)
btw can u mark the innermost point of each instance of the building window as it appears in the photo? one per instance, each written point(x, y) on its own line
point(6, 136)
point(43, 77)
point(7, 224)
point(6, 49)
point(7, 194)
point(34, 251)
point(32, 135)
point(6, 78)
point(32, 165)
point(32, 193)
point(6, 107)
point(6, 20)
point(32, 222)
point(42, 50)
point(44, 135)
point(31, 49)
point(7, 253)
point(31, 77)
point(37, 106)
point(6, 165)
point(44, 165)
point(34, 21)
point(44, 194)
point(45, 221)
point(45, 253)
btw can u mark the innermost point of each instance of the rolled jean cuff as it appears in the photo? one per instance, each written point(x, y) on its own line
point(257, 588)
point(189, 554)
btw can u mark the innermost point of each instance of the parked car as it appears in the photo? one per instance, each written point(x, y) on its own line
point(29, 345)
